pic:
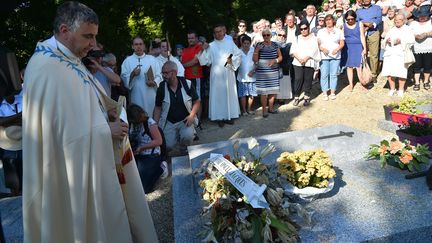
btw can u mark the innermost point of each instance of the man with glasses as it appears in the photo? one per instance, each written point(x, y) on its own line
point(224, 58)
point(176, 107)
point(311, 16)
point(320, 25)
point(371, 17)
point(242, 28)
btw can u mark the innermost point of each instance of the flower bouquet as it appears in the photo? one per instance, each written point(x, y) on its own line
point(403, 154)
point(232, 218)
point(309, 172)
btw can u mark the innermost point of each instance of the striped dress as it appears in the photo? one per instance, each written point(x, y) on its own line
point(267, 78)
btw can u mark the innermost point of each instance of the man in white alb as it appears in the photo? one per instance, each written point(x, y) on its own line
point(141, 75)
point(224, 58)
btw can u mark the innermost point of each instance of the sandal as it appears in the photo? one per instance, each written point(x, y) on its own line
point(426, 86)
point(416, 87)
point(306, 102)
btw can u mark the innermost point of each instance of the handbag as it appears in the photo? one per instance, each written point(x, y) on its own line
point(409, 57)
point(366, 72)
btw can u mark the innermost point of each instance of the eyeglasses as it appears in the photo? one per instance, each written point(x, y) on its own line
point(281, 35)
point(306, 28)
point(266, 35)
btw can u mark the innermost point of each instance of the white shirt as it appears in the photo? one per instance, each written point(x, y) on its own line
point(7, 109)
point(425, 45)
point(246, 66)
point(330, 41)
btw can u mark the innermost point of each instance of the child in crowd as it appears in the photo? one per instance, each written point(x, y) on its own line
point(246, 75)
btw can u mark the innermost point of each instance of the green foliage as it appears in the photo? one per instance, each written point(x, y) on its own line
point(24, 22)
point(407, 105)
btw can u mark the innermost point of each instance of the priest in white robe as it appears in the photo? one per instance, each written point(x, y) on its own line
point(71, 188)
point(224, 58)
point(164, 56)
point(141, 75)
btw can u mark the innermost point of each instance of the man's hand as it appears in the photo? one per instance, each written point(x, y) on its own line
point(136, 71)
point(205, 45)
point(151, 83)
point(189, 120)
point(119, 129)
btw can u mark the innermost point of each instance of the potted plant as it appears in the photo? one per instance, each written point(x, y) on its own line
point(400, 154)
point(309, 172)
point(406, 109)
point(417, 131)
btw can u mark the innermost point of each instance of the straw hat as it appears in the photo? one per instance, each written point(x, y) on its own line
point(10, 138)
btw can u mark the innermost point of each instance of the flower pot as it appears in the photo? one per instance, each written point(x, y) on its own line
point(414, 140)
point(402, 118)
point(387, 111)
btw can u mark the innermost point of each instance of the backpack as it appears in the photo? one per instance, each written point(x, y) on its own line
point(163, 148)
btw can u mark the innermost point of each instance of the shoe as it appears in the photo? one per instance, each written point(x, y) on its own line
point(417, 87)
point(221, 123)
point(306, 102)
point(196, 138)
point(296, 102)
point(265, 115)
point(250, 112)
point(332, 96)
point(165, 173)
point(391, 92)
point(326, 98)
point(229, 122)
point(274, 112)
point(426, 86)
point(400, 93)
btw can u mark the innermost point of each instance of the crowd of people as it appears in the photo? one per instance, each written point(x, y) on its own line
point(168, 91)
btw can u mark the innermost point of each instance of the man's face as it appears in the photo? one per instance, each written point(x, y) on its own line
point(321, 22)
point(219, 33)
point(310, 11)
point(246, 44)
point(164, 48)
point(278, 23)
point(138, 46)
point(241, 27)
point(82, 40)
point(332, 4)
point(325, 6)
point(168, 73)
point(192, 39)
point(366, 3)
point(290, 21)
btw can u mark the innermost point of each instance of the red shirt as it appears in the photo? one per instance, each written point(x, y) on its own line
point(188, 54)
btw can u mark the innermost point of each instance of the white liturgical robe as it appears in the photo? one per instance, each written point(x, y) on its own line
point(140, 93)
point(162, 60)
point(71, 190)
point(223, 100)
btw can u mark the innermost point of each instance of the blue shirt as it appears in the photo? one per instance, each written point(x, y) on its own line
point(370, 14)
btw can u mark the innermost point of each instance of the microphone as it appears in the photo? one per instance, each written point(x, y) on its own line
point(228, 58)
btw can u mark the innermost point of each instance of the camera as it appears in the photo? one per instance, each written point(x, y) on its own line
point(92, 54)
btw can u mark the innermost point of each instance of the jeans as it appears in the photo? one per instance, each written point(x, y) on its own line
point(149, 170)
point(329, 68)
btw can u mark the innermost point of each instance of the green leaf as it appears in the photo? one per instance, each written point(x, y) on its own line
point(410, 167)
point(282, 226)
point(257, 228)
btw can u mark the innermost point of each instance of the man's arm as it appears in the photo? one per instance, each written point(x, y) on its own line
point(15, 120)
point(156, 113)
point(191, 117)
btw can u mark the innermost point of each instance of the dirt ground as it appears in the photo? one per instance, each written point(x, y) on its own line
point(357, 109)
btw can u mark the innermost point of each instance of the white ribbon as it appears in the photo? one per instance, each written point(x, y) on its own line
point(244, 184)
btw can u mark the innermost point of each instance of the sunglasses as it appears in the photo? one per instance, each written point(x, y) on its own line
point(266, 35)
point(306, 28)
point(281, 35)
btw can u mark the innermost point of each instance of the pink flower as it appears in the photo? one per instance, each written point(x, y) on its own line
point(406, 157)
point(396, 146)
point(383, 149)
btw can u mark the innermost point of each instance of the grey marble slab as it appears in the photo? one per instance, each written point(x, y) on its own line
point(368, 203)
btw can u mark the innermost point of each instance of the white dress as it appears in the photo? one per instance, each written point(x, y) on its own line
point(223, 100)
point(393, 63)
point(140, 93)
